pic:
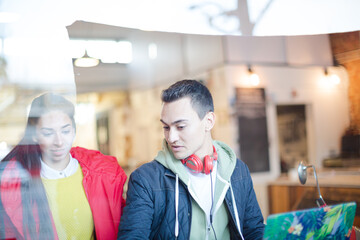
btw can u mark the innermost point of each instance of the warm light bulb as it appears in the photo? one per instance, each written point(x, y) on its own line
point(254, 79)
point(334, 79)
point(86, 62)
point(329, 81)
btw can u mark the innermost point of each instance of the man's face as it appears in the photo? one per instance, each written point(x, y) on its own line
point(184, 131)
point(55, 134)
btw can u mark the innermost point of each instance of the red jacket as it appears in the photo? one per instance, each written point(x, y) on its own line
point(103, 183)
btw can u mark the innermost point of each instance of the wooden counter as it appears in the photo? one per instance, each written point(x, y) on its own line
point(287, 194)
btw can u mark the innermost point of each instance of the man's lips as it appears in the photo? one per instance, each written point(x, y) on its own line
point(176, 148)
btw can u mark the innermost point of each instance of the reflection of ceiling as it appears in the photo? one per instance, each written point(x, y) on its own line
point(187, 55)
point(41, 20)
point(35, 65)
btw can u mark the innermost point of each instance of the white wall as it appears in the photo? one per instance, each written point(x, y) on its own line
point(314, 50)
point(327, 111)
point(328, 108)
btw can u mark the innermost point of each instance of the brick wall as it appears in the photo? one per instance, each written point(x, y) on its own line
point(346, 51)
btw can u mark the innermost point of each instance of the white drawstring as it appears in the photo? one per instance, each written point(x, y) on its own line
point(177, 206)
point(236, 212)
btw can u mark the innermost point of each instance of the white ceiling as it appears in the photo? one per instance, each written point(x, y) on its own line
point(239, 17)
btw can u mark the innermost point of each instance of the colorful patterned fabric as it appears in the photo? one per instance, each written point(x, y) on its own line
point(329, 222)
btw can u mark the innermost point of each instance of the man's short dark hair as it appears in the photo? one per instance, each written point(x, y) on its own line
point(199, 94)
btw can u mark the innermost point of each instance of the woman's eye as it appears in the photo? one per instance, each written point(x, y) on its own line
point(46, 134)
point(166, 128)
point(180, 127)
point(66, 131)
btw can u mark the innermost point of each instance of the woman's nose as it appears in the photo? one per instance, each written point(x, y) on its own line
point(58, 139)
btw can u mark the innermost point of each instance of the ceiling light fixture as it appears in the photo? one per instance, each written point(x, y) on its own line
point(86, 61)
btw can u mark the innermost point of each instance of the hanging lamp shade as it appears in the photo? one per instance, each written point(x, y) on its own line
point(86, 61)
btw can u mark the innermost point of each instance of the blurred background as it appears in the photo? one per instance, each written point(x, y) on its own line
point(285, 77)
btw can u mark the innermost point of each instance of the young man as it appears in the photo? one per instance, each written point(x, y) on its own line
point(195, 188)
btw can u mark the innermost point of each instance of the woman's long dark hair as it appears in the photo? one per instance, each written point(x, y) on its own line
point(28, 154)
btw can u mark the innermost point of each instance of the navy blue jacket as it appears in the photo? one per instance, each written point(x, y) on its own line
point(150, 205)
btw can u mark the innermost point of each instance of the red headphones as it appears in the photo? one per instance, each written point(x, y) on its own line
point(195, 164)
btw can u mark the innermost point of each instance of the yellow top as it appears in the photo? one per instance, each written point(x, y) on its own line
point(69, 206)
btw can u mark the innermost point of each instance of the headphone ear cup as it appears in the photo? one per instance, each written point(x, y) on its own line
point(194, 163)
point(208, 164)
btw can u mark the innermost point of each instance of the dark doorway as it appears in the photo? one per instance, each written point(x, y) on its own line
point(253, 136)
point(291, 121)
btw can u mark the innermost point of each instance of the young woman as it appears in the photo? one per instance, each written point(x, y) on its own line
point(49, 190)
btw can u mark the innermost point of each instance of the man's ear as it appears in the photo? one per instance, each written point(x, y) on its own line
point(210, 121)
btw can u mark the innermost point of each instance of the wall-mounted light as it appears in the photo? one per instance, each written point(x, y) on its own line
point(329, 80)
point(86, 61)
point(332, 78)
point(254, 79)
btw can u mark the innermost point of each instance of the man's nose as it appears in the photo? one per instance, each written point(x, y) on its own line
point(173, 135)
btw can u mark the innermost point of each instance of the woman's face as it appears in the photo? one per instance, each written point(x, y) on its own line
point(55, 134)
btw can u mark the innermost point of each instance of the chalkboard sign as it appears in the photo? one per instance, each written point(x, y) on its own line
point(253, 138)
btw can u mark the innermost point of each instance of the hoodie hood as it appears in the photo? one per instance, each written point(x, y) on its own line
point(168, 160)
point(226, 161)
point(226, 165)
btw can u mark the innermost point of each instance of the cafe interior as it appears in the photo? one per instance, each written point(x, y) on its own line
point(285, 78)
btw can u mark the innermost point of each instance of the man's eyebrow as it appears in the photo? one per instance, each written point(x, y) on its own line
point(67, 125)
point(175, 122)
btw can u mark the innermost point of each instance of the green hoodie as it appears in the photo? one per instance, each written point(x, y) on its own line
point(226, 165)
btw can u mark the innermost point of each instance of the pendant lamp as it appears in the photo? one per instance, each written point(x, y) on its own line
point(86, 61)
